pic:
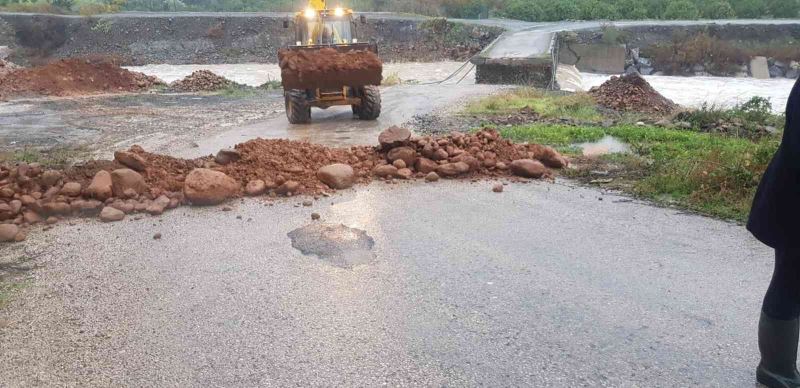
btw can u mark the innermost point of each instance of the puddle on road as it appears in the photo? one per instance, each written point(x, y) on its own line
point(606, 145)
point(338, 245)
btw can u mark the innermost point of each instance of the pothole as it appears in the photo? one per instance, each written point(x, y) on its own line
point(338, 245)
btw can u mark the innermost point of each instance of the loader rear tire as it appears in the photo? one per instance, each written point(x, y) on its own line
point(370, 107)
point(297, 109)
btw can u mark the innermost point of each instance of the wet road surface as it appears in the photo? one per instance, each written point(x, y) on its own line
point(336, 126)
point(542, 285)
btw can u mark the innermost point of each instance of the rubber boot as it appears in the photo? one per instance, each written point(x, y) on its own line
point(777, 341)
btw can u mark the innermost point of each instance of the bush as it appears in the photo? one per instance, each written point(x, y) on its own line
point(556, 10)
point(681, 10)
point(784, 8)
point(523, 10)
point(598, 10)
point(720, 9)
point(750, 9)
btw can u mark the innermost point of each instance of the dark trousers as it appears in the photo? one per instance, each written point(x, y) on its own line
point(782, 300)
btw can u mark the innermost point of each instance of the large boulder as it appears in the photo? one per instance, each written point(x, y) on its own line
point(126, 182)
point(208, 187)
point(227, 156)
point(425, 165)
point(528, 168)
point(130, 160)
point(337, 176)
point(406, 154)
point(453, 169)
point(8, 232)
point(110, 214)
point(393, 136)
point(71, 189)
point(385, 171)
point(100, 187)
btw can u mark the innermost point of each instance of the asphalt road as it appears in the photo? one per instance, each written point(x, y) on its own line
point(541, 285)
point(336, 126)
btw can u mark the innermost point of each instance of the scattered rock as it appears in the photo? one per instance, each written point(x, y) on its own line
point(131, 160)
point(453, 169)
point(208, 187)
point(227, 156)
point(71, 189)
point(50, 178)
point(399, 163)
point(425, 165)
point(405, 173)
point(385, 171)
point(393, 136)
point(157, 236)
point(314, 216)
point(255, 187)
point(100, 187)
point(109, 214)
point(307, 203)
point(497, 188)
point(528, 168)
point(288, 188)
point(406, 154)
point(125, 179)
point(337, 176)
point(432, 177)
point(8, 232)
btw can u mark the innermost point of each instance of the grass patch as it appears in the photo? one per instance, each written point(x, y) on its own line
point(713, 174)
point(745, 119)
point(52, 158)
point(578, 106)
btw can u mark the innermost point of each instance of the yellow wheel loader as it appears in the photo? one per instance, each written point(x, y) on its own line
point(319, 31)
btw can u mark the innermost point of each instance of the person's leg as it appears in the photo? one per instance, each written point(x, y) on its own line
point(779, 327)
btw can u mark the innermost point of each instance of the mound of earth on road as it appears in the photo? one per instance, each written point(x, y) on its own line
point(631, 93)
point(137, 181)
point(201, 81)
point(70, 77)
point(328, 68)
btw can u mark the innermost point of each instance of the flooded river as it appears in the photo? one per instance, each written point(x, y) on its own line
point(686, 91)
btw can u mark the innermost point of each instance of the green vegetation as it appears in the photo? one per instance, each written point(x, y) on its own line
point(702, 168)
point(532, 10)
point(747, 119)
point(55, 158)
point(712, 174)
point(578, 106)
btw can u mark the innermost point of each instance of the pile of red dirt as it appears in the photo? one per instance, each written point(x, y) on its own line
point(200, 81)
point(69, 77)
point(631, 93)
point(328, 68)
point(137, 181)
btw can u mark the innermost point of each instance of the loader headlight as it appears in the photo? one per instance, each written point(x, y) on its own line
point(310, 13)
point(339, 12)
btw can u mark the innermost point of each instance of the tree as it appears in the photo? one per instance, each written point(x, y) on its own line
point(595, 9)
point(681, 10)
point(783, 8)
point(720, 9)
point(632, 9)
point(523, 10)
point(750, 9)
point(556, 10)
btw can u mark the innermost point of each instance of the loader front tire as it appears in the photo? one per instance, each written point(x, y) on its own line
point(297, 109)
point(370, 107)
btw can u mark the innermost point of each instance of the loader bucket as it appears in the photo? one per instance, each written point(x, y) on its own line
point(330, 67)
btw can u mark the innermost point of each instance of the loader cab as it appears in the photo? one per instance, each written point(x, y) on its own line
point(325, 27)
